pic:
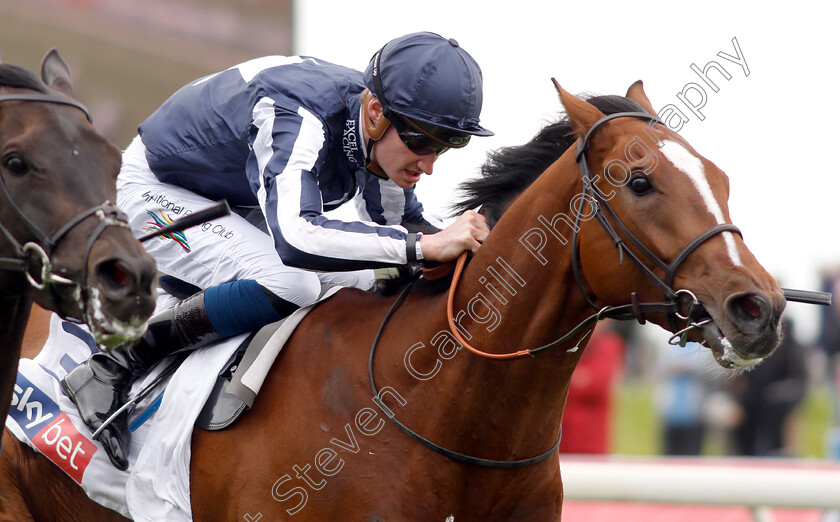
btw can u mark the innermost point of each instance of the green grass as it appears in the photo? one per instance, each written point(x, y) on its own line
point(813, 422)
point(636, 426)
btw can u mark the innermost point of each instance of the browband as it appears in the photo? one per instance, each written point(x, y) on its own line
point(48, 98)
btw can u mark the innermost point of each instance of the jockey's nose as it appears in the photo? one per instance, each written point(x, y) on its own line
point(426, 163)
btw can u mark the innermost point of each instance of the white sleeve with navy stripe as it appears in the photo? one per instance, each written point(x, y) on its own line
point(284, 134)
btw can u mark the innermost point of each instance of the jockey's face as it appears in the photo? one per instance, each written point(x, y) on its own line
point(402, 166)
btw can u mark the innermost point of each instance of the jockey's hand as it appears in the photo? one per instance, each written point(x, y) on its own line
point(466, 233)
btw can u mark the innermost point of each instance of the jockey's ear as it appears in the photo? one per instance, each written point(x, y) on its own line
point(375, 123)
point(636, 92)
point(582, 115)
point(56, 74)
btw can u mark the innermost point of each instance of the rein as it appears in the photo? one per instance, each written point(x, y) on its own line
point(34, 258)
point(454, 455)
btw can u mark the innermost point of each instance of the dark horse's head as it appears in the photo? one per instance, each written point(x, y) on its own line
point(58, 178)
point(669, 198)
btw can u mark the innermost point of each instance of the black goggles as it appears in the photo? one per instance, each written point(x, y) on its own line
point(422, 138)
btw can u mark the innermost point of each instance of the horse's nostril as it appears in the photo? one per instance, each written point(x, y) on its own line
point(121, 276)
point(750, 305)
point(750, 312)
point(115, 274)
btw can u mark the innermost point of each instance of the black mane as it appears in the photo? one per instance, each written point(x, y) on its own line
point(510, 170)
point(16, 76)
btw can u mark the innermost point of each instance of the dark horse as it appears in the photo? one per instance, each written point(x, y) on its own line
point(477, 433)
point(62, 243)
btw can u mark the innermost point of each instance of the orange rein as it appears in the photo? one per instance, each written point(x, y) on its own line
point(459, 267)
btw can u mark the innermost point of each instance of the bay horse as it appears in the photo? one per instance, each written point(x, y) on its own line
point(63, 244)
point(447, 406)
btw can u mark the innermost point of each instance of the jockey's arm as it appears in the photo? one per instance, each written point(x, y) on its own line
point(305, 238)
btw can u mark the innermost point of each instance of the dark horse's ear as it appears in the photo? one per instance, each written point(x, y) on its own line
point(55, 73)
point(636, 92)
point(582, 115)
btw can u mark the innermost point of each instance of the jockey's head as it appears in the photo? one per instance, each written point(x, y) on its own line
point(423, 97)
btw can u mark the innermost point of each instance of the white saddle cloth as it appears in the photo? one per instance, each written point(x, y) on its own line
point(156, 486)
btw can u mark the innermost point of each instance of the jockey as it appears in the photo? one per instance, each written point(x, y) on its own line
point(284, 139)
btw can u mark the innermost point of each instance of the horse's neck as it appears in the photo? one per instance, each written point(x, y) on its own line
point(511, 297)
point(525, 267)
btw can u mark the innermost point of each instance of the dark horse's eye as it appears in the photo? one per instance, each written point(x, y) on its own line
point(640, 185)
point(15, 164)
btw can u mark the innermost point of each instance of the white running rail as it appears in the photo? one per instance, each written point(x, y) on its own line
point(756, 483)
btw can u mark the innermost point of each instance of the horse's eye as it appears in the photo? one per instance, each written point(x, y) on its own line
point(641, 185)
point(14, 164)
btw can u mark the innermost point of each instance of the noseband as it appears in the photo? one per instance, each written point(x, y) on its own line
point(34, 258)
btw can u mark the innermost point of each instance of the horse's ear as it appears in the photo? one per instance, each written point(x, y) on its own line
point(636, 92)
point(55, 73)
point(582, 115)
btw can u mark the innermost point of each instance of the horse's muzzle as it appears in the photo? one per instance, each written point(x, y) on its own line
point(750, 331)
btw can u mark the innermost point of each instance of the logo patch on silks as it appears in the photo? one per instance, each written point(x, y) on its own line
point(50, 430)
point(160, 220)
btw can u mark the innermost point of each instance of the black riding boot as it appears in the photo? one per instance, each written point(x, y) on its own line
point(100, 386)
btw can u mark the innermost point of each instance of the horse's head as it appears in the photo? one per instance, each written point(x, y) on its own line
point(58, 175)
point(674, 202)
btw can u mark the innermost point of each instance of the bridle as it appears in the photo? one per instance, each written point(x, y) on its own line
point(34, 258)
point(672, 306)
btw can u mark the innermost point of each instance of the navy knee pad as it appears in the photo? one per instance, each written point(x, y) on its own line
point(243, 306)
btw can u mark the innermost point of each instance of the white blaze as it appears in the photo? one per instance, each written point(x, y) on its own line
point(693, 167)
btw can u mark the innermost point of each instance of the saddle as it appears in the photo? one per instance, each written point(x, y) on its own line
point(226, 403)
point(223, 407)
point(230, 397)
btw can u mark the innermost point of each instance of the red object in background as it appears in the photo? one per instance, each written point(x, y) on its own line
point(586, 419)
